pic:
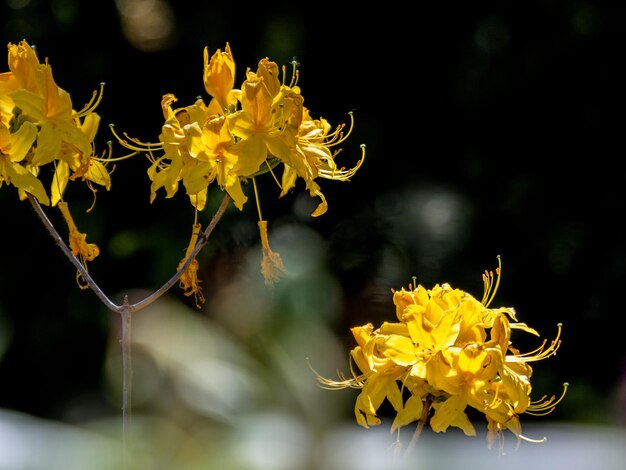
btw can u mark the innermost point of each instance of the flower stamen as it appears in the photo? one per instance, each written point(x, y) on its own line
point(544, 407)
point(489, 288)
point(93, 103)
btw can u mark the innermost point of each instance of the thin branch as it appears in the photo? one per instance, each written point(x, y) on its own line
point(202, 240)
point(127, 374)
point(75, 261)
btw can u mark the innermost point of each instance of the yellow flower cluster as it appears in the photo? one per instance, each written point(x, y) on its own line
point(38, 127)
point(240, 134)
point(447, 351)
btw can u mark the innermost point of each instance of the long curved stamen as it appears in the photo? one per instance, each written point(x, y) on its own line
point(338, 136)
point(136, 145)
point(491, 287)
point(357, 380)
point(543, 407)
point(541, 352)
point(332, 139)
point(342, 174)
point(104, 159)
point(96, 97)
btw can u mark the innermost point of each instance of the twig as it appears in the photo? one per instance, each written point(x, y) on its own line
point(127, 374)
point(126, 310)
point(75, 261)
point(132, 308)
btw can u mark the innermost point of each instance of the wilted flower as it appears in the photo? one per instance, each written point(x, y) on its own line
point(189, 281)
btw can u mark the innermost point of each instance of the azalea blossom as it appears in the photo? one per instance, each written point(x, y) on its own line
point(241, 134)
point(31, 101)
point(446, 351)
point(39, 127)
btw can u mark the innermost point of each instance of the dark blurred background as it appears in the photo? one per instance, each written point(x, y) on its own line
point(492, 128)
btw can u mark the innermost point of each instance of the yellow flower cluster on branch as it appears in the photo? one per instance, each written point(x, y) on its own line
point(445, 352)
point(240, 134)
point(39, 127)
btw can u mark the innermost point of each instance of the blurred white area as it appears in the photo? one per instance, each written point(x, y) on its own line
point(30, 443)
point(277, 440)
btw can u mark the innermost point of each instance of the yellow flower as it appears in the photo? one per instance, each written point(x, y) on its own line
point(222, 143)
point(210, 148)
point(258, 126)
point(72, 165)
point(42, 102)
point(314, 158)
point(273, 123)
point(33, 106)
point(165, 171)
point(447, 351)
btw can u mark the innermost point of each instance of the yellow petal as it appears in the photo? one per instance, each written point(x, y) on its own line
point(412, 411)
point(98, 173)
point(59, 181)
point(236, 192)
point(21, 141)
point(219, 75)
point(451, 413)
point(23, 179)
point(400, 350)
